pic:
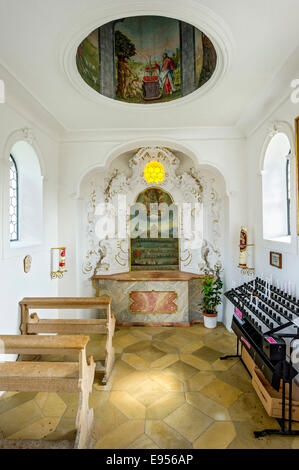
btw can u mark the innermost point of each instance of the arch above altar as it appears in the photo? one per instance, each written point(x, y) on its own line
point(195, 233)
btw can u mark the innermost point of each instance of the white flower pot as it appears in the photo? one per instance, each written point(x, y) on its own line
point(210, 321)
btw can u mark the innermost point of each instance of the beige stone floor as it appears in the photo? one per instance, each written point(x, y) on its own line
point(168, 390)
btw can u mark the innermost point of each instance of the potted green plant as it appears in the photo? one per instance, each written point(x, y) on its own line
point(211, 288)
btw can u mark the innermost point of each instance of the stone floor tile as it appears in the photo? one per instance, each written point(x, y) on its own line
point(179, 341)
point(198, 381)
point(148, 392)
point(221, 392)
point(236, 376)
point(50, 404)
point(107, 418)
point(98, 398)
point(143, 442)
point(196, 362)
point(249, 407)
point(200, 330)
point(130, 381)
point(207, 354)
point(122, 436)
point(165, 405)
point(189, 348)
point(164, 361)
point(218, 436)
point(140, 333)
point(127, 404)
point(168, 382)
point(165, 334)
point(12, 400)
point(164, 436)
point(135, 361)
point(125, 340)
point(37, 430)
point(17, 418)
point(72, 401)
point(65, 430)
point(6, 395)
point(164, 347)
point(139, 346)
point(181, 370)
point(208, 406)
point(150, 354)
point(223, 365)
point(188, 421)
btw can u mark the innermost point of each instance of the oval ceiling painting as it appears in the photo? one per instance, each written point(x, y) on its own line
point(146, 59)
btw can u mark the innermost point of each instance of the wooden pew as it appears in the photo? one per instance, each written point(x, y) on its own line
point(51, 376)
point(31, 324)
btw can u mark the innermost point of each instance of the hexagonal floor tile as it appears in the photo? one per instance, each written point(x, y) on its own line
point(221, 392)
point(207, 354)
point(165, 405)
point(208, 406)
point(164, 436)
point(181, 370)
point(150, 354)
point(188, 421)
point(218, 436)
point(148, 392)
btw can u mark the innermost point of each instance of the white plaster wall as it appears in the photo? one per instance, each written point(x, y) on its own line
point(14, 283)
point(256, 145)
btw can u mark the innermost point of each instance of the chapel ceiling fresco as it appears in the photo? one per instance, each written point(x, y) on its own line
point(146, 59)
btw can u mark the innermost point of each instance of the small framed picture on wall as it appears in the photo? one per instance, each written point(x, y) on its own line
point(297, 167)
point(276, 259)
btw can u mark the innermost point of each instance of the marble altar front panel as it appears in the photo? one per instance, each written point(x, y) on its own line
point(187, 299)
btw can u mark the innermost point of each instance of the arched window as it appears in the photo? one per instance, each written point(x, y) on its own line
point(25, 197)
point(13, 200)
point(276, 189)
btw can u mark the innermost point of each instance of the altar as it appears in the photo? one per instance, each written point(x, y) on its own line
point(153, 298)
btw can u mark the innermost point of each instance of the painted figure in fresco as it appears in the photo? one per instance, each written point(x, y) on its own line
point(166, 74)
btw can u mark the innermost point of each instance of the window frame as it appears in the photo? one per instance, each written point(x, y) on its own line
point(11, 159)
point(290, 246)
point(288, 192)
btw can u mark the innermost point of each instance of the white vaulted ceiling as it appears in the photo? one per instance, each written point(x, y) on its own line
point(38, 40)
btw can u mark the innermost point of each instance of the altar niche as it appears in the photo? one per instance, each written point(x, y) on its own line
point(154, 242)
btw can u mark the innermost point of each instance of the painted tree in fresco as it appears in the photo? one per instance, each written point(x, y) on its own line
point(209, 60)
point(124, 49)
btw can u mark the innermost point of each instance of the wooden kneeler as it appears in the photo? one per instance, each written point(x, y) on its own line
point(50, 377)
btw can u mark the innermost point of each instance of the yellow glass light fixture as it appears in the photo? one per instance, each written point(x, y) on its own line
point(154, 172)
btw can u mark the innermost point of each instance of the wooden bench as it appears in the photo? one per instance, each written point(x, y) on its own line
point(31, 324)
point(51, 376)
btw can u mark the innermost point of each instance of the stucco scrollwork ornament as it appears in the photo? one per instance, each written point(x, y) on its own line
point(191, 185)
point(211, 259)
point(215, 210)
point(115, 183)
point(96, 252)
point(211, 250)
point(94, 260)
point(146, 154)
